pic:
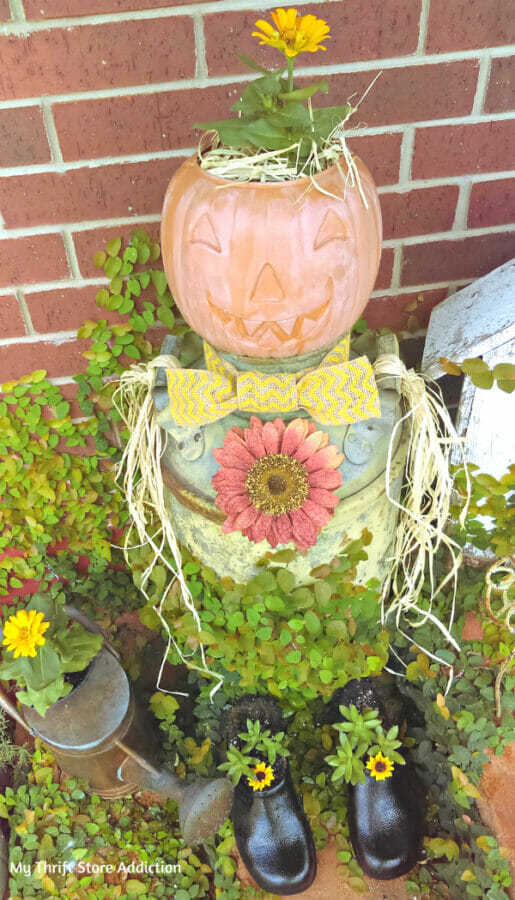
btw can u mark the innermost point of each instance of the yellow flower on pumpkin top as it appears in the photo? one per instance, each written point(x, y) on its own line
point(380, 767)
point(263, 777)
point(24, 632)
point(293, 34)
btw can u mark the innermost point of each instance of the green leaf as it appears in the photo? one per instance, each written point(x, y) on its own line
point(99, 259)
point(41, 699)
point(77, 647)
point(112, 267)
point(305, 92)
point(143, 253)
point(159, 281)
point(312, 622)
point(474, 366)
point(42, 668)
point(135, 888)
point(483, 380)
point(130, 254)
point(285, 637)
point(166, 316)
point(102, 297)
point(285, 580)
point(251, 64)
point(504, 372)
point(113, 247)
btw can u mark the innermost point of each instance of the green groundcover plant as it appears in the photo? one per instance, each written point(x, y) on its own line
point(60, 501)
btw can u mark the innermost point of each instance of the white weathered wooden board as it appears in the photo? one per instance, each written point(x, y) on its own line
point(487, 419)
point(475, 320)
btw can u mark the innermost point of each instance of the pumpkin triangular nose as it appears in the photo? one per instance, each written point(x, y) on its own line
point(267, 288)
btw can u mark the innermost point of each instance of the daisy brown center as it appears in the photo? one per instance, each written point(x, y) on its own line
point(380, 766)
point(277, 483)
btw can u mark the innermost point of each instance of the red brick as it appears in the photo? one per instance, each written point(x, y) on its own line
point(55, 9)
point(457, 260)
point(27, 260)
point(141, 123)
point(23, 139)
point(87, 243)
point(423, 211)
point(501, 85)
point(63, 310)
point(384, 276)
point(376, 30)
point(11, 322)
point(492, 203)
point(463, 149)
point(381, 153)
point(402, 95)
point(5, 11)
point(393, 312)
point(466, 24)
point(90, 57)
point(58, 360)
point(86, 194)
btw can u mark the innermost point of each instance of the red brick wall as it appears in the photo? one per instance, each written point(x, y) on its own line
point(97, 98)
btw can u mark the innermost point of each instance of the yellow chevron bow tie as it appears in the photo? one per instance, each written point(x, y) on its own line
point(338, 392)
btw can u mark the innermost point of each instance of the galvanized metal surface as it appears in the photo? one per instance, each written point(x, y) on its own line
point(82, 729)
point(188, 466)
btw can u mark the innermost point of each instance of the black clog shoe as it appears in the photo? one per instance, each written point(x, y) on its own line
point(385, 816)
point(270, 826)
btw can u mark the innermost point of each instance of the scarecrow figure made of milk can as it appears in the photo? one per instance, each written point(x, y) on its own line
point(282, 432)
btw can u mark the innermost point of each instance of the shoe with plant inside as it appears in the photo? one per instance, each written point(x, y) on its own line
point(270, 827)
point(384, 808)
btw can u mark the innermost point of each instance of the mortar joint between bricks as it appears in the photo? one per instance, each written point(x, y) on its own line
point(17, 10)
point(483, 78)
point(397, 266)
point(462, 206)
point(201, 69)
point(422, 28)
point(25, 313)
point(51, 133)
point(71, 254)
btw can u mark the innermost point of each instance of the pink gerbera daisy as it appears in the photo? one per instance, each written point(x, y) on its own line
point(277, 482)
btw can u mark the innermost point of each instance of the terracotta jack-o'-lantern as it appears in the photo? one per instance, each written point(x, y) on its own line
point(270, 269)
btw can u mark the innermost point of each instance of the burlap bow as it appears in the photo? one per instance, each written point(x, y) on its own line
point(337, 392)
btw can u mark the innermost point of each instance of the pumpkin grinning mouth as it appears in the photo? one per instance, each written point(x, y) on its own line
point(283, 329)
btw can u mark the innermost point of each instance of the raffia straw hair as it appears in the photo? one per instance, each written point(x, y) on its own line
point(424, 507)
point(139, 475)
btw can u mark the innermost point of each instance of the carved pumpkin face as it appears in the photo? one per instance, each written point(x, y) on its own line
point(270, 270)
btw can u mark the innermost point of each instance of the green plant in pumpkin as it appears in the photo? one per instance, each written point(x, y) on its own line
point(272, 113)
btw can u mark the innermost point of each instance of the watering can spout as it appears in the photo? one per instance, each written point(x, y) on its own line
point(204, 803)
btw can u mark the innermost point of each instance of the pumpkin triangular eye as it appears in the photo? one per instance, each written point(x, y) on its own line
point(204, 233)
point(331, 228)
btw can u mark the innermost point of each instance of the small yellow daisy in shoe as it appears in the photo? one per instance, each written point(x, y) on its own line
point(380, 767)
point(263, 777)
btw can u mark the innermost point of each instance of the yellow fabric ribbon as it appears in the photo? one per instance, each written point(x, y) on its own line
point(337, 392)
